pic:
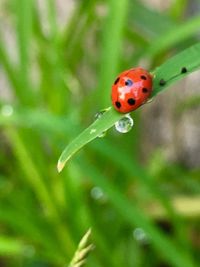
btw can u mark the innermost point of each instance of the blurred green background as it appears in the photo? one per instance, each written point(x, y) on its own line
point(139, 192)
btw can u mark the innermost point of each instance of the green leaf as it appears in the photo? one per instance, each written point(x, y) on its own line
point(94, 130)
point(24, 12)
point(170, 72)
point(149, 21)
point(111, 47)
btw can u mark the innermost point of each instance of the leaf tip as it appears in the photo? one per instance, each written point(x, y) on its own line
point(60, 166)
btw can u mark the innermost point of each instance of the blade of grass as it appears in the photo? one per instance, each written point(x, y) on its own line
point(8, 67)
point(149, 21)
point(30, 228)
point(111, 46)
point(36, 119)
point(93, 131)
point(74, 27)
point(56, 95)
point(170, 71)
point(173, 36)
point(177, 9)
point(10, 246)
point(24, 33)
point(36, 182)
point(75, 48)
point(24, 9)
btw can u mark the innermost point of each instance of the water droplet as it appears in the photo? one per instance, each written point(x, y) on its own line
point(125, 124)
point(97, 193)
point(140, 235)
point(98, 115)
point(102, 134)
point(6, 110)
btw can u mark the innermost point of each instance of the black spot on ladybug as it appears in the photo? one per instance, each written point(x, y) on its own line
point(162, 82)
point(128, 82)
point(117, 80)
point(131, 101)
point(145, 90)
point(118, 104)
point(143, 77)
point(183, 70)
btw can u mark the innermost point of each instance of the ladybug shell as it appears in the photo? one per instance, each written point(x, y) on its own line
point(131, 89)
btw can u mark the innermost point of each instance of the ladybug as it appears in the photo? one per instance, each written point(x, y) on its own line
point(131, 89)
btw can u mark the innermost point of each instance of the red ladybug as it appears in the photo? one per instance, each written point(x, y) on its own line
point(131, 89)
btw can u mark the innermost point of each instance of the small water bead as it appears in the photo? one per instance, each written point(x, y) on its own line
point(140, 235)
point(97, 193)
point(125, 124)
point(102, 134)
point(97, 116)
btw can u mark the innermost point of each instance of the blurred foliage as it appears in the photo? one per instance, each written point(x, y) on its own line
point(56, 77)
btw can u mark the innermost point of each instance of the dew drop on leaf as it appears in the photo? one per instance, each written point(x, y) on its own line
point(102, 134)
point(97, 116)
point(140, 235)
point(96, 193)
point(125, 124)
